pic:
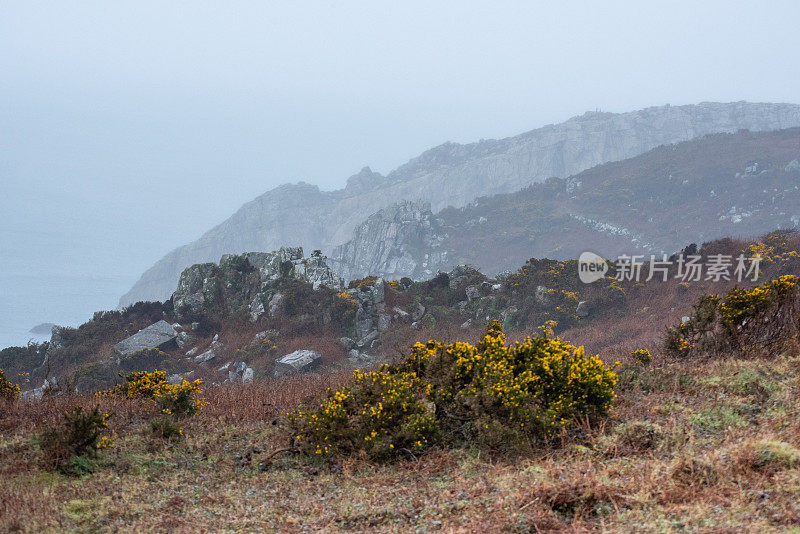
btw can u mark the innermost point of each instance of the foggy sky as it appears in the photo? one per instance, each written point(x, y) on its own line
point(129, 128)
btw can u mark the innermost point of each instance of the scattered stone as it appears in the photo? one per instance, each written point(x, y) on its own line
point(466, 324)
point(299, 361)
point(399, 312)
point(160, 335)
point(685, 319)
point(182, 339)
point(214, 350)
point(195, 326)
point(368, 339)
point(175, 379)
point(472, 293)
point(383, 322)
point(248, 375)
point(583, 309)
point(418, 313)
point(347, 343)
point(192, 351)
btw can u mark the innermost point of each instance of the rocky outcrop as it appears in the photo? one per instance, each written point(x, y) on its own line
point(249, 281)
point(453, 174)
point(401, 240)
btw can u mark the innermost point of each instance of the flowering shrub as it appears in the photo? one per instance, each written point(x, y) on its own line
point(347, 298)
point(367, 281)
point(172, 399)
point(741, 304)
point(460, 393)
point(739, 320)
point(642, 356)
point(9, 391)
point(79, 436)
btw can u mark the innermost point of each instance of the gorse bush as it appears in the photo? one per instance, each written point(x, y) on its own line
point(642, 356)
point(180, 400)
point(79, 436)
point(9, 391)
point(743, 319)
point(492, 393)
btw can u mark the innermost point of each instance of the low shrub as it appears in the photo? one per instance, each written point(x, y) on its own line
point(741, 320)
point(638, 436)
point(642, 356)
point(164, 428)
point(492, 393)
point(180, 400)
point(68, 446)
point(9, 391)
point(367, 281)
point(766, 456)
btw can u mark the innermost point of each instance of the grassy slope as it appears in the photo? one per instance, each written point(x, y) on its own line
point(698, 474)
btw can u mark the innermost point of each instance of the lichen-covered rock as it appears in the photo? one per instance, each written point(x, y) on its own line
point(160, 335)
point(194, 288)
point(299, 361)
point(247, 282)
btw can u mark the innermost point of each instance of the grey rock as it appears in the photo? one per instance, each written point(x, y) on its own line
point(256, 309)
point(274, 304)
point(192, 351)
point(194, 289)
point(265, 336)
point(248, 375)
point(466, 324)
point(793, 165)
point(175, 379)
point(182, 339)
point(419, 312)
point(214, 351)
point(358, 357)
point(299, 361)
point(541, 295)
point(383, 322)
point(160, 335)
point(367, 340)
point(195, 326)
point(472, 293)
point(347, 343)
point(403, 239)
point(583, 309)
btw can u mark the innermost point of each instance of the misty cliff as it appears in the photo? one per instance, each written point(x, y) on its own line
point(454, 175)
point(744, 184)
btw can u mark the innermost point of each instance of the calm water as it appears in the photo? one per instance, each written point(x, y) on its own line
point(69, 300)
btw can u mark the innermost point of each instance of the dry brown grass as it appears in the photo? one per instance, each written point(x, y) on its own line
point(701, 474)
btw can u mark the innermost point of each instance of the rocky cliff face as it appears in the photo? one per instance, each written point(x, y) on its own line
point(401, 240)
point(454, 174)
